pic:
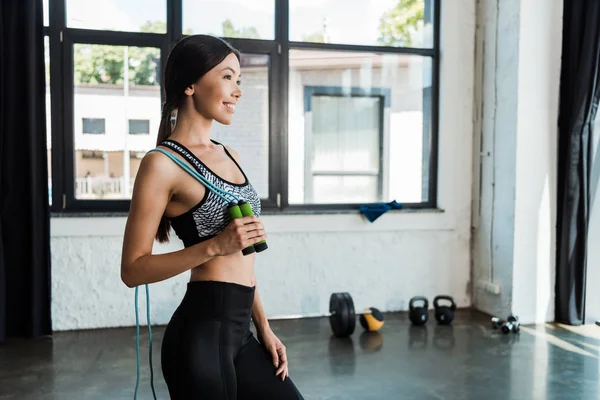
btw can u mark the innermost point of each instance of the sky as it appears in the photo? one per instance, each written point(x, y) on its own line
point(349, 21)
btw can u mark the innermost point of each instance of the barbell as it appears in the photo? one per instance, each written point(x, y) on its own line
point(342, 316)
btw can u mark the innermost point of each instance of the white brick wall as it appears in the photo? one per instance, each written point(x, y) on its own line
point(309, 257)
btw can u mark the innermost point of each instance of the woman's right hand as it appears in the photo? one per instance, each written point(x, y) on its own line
point(239, 234)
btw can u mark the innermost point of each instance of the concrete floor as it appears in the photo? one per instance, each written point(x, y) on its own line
point(464, 361)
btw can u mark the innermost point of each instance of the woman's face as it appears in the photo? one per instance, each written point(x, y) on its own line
point(216, 94)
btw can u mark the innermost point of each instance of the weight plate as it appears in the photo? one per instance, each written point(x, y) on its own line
point(337, 310)
point(351, 322)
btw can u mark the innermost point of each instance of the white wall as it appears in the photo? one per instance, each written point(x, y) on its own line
point(514, 220)
point(493, 217)
point(537, 133)
point(382, 264)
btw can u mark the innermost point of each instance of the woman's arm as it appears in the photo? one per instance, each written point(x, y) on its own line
point(152, 192)
point(268, 339)
point(258, 314)
point(151, 268)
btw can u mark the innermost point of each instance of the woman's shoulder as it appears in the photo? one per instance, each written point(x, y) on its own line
point(156, 165)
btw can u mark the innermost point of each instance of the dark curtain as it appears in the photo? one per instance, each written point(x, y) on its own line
point(24, 210)
point(579, 92)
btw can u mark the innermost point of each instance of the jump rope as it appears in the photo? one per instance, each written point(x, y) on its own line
point(236, 208)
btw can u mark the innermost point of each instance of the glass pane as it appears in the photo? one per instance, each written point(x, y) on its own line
point(118, 15)
point(344, 189)
point(362, 117)
point(95, 126)
point(139, 127)
point(249, 132)
point(345, 134)
point(48, 116)
point(230, 18)
point(45, 11)
point(106, 156)
point(405, 23)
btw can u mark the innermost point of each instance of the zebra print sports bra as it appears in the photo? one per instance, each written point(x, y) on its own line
point(209, 217)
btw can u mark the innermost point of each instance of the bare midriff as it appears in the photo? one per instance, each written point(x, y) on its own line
point(234, 268)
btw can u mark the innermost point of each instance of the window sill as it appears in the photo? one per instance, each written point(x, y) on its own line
point(88, 214)
point(123, 214)
point(351, 211)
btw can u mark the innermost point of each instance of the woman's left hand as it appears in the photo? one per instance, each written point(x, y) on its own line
point(277, 351)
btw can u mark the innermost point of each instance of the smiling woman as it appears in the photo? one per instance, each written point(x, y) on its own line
point(208, 349)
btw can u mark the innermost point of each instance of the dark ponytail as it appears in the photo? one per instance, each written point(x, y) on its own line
point(164, 131)
point(191, 58)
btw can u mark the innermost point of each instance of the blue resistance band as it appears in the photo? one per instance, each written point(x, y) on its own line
point(199, 177)
point(217, 191)
point(137, 341)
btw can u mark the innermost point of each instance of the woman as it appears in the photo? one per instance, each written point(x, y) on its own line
point(208, 350)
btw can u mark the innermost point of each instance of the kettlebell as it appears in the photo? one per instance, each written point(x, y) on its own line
point(444, 314)
point(418, 315)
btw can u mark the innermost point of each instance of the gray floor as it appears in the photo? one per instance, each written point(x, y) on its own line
point(464, 361)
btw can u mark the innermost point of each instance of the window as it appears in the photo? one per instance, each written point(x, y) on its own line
point(343, 143)
point(102, 87)
point(94, 126)
point(230, 18)
point(48, 111)
point(370, 23)
point(139, 126)
point(376, 125)
point(339, 104)
point(130, 15)
point(46, 14)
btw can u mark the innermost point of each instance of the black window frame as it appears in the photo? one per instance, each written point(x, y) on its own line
point(62, 40)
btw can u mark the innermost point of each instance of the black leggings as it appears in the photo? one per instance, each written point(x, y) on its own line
point(209, 352)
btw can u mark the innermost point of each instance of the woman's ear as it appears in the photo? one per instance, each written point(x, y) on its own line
point(189, 91)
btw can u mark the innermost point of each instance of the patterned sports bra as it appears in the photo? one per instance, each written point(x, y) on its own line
point(209, 217)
